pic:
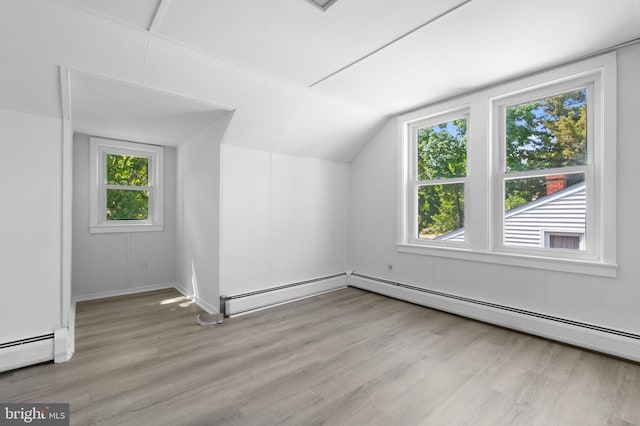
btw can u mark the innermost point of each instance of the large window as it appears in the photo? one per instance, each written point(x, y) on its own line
point(126, 186)
point(440, 170)
point(547, 167)
point(519, 174)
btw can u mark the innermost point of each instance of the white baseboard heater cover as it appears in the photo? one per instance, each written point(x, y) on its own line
point(612, 341)
point(246, 302)
point(24, 352)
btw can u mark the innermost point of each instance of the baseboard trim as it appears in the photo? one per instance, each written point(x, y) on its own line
point(182, 290)
point(286, 302)
point(203, 304)
point(206, 306)
point(619, 343)
point(124, 291)
point(260, 299)
point(26, 354)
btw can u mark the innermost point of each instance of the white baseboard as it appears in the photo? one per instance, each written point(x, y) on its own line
point(285, 295)
point(182, 289)
point(613, 344)
point(26, 354)
point(124, 291)
point(206, 306)
point(61, 345)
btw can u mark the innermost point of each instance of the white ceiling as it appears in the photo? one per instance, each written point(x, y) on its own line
point(299, 80)
point(294, 39)
point(482, 43)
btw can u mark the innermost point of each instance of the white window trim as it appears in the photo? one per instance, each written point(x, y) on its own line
point(591, 83)
point(482, 229)
point(98, 223)
point(412, 188)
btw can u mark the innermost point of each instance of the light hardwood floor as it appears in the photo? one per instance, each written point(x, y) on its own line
point(348, 357)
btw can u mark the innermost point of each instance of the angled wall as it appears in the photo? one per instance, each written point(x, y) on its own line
point(198, 214)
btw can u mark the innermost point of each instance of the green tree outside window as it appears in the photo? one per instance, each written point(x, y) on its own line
point(127, 171)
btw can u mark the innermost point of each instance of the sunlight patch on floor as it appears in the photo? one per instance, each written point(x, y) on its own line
point(174, 300)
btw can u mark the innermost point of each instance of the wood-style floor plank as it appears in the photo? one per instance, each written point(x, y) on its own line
point(348, 357)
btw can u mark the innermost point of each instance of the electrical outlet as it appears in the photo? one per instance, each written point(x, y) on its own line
point(144, 265)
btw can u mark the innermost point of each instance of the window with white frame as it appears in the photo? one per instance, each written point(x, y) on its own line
point(126, 186)
point(547, 164)
point(558, 239)
point(439, 173)
point(540, 173)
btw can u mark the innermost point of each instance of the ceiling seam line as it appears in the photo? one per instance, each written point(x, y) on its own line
point(300, 85)
point(146, 54)
point(397, 39)
point(158, 17)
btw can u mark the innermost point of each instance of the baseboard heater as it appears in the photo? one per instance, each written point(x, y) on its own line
point(242, 303)
point(604, 339)
point(23, 352)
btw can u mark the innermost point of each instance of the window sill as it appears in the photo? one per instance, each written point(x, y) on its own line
point(585, 267)
point(105, 229)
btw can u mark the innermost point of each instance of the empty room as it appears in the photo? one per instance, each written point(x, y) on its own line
point(349, 212)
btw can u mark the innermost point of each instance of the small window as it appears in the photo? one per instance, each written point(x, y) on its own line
point(563, 240)
point(126, 186)
point(440, 172)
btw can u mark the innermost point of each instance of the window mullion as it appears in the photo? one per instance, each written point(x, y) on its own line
point(128, 187)
point(442, 181)
point(547, 172)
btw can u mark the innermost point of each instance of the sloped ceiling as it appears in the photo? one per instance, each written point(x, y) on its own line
point(293, 39)
point(483, 43)
point(110, 108)
point(298, 79)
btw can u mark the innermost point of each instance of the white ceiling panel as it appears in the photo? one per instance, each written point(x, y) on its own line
point(139, 13)
point(110, 108)
point(482, 43)
point(294, 39)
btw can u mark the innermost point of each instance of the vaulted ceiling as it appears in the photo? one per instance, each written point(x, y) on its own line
point(298, 79)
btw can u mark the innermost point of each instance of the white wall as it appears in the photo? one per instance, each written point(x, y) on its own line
point(30, 225)
point(199, 214)
point(611, 302)
point(116, 262)
point(284, 219)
